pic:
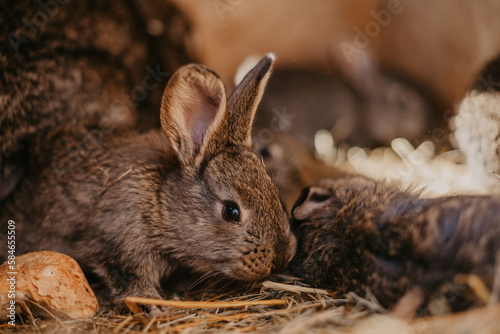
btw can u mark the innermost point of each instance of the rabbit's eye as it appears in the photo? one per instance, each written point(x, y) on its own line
point(231, 212)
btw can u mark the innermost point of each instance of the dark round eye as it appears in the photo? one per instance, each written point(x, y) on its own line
point(231, 212)
point(265, 153)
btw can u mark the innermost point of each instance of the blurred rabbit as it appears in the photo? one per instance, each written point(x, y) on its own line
point(477, 127)
point(357, 234)
point(360, 104)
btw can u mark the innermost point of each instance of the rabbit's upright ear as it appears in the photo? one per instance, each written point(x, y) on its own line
point(193, 105)
point(243, 102)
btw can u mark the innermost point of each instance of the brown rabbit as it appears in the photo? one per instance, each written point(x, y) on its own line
point(355, 234)
point(137, 207)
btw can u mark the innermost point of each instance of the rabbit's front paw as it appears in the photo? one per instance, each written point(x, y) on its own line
point(154, 311)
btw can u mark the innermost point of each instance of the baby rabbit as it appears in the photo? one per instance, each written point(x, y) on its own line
point(360, 103)
point(356, 234)
point(477, 127)
point(137, 207)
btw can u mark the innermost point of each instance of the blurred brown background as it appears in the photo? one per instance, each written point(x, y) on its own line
point(440, 44)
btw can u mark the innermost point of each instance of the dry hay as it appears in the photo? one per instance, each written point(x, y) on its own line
point(272, 307)
point(289, 306)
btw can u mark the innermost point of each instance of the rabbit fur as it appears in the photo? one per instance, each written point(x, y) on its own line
point(361, 104)
point(134, 207)
point(67, 61)
point(476, 127)
point(357, 234)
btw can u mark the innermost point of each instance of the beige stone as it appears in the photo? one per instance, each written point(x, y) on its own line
point(52, 280)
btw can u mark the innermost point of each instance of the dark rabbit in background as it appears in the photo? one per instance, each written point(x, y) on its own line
point(359, 104)
point(194, 195)
point(357, 234)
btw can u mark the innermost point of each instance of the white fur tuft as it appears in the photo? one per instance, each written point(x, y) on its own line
point(477, 134)
point(271, 55)
point(246, 65)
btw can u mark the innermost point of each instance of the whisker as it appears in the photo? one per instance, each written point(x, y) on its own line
point(200, 280)
point(283, 163)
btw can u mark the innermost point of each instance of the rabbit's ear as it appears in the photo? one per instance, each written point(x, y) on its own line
point(243, 102)
point(359, 70)
point(193, 104)
point(311, 201)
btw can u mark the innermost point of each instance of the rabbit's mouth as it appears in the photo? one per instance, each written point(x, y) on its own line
point(254, 264)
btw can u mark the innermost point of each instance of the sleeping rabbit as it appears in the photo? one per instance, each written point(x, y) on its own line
point(358, 234)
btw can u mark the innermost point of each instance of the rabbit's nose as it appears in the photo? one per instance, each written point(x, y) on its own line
point(256, 263)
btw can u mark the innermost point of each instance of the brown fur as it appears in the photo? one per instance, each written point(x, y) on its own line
point(365, 108)
point(356, 234)
point(82, 63)
point(225, 32)
point(441, 44)
point(136, 207)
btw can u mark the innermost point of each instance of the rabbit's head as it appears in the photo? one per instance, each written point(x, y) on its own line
point(350, 199)
point(331, 222)
point(225, 212)
point(338, 223)
point(338, 198)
